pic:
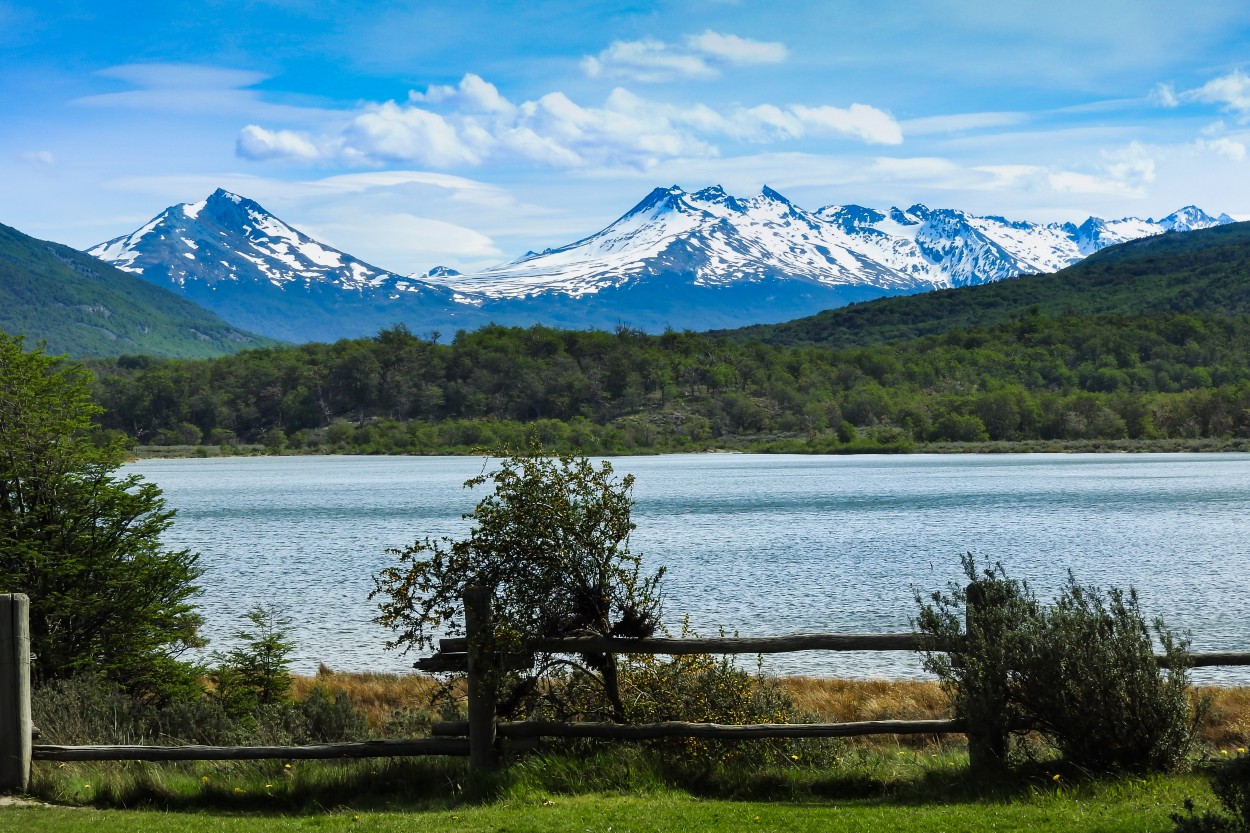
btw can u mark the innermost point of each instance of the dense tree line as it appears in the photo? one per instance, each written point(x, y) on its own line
point(1032, 378)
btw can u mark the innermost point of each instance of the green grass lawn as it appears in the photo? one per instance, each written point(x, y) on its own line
point(1131, 805)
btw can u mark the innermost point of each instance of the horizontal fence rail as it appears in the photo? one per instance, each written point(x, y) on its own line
point(362, 749)
point(723, 645)
point(475, 738)
point(681, 729)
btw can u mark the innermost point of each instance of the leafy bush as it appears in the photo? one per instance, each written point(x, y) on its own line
point(87, 710)
point(551, 543)
point(1090, 682)
point(979, 668)
point(1081, 671)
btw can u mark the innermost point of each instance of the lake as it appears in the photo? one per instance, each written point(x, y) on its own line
point(757, 544)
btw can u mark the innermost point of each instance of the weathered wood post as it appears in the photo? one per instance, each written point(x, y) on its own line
point(986, 720)
point(483, 677)
point(15, 725)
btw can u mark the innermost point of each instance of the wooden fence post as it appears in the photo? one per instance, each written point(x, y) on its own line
point(15, 725)
point(483, 677)
point(987, 725)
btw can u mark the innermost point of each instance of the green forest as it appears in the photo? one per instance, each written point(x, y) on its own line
point(1174, 376)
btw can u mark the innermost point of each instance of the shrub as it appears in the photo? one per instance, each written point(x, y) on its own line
point(978, 670)
point(551, 543)
point(1081, 671)
point(1090, 682)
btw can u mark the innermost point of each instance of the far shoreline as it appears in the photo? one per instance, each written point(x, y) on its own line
point(1172, 446)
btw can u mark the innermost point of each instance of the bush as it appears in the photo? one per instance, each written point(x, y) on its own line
point(551, 544)
point(977, 672)
point(1090, 682)
point(87, 710)
point(1081, 671)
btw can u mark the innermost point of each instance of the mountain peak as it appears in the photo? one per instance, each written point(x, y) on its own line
point(769, 193)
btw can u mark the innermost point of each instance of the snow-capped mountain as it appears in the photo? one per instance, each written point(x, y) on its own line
point(230, 238)
point(229, 254)
point(715, 239)
point(678, 259)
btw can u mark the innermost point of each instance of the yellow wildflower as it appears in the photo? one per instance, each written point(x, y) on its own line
point(1056, 777)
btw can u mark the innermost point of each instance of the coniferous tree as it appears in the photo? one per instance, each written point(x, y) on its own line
point(85, 544)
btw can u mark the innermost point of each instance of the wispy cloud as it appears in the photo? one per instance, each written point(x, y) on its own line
point(698, 57)
point(961, 122)
point(477, 123)
point(1231, 90)
point(44, 160)
point(194, 90)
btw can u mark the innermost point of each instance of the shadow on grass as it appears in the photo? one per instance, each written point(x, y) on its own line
point(425, 784)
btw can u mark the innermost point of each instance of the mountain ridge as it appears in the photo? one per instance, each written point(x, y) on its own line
point(675, 260)
point(79, 305)
point(1205, 271)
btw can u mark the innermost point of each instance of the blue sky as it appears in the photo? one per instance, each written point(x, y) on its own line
point(464, 133)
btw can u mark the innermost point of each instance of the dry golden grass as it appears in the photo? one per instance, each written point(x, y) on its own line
point(1227, 723)
point(381, 696)
point(838, 701)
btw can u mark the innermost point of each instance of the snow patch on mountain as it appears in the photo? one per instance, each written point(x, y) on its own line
point(758, 258)
point(228, 238)
point(711, 238)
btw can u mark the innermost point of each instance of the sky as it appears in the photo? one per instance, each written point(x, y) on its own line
point(416, 134)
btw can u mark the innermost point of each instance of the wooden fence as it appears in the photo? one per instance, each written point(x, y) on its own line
point(477, 737)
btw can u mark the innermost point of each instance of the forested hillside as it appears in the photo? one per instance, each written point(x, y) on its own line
point(1206, 271)
point(78, 305)
point(1162, 376)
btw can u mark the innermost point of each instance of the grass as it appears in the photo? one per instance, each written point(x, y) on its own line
point(1137, 805)
point(917, 783)
point(391, 699)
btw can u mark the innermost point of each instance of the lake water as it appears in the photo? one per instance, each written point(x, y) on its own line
point(758, 544)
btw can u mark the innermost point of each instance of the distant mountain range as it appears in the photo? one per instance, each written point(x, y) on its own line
point(78, 305)
point(677, 259)
point(1205, 274)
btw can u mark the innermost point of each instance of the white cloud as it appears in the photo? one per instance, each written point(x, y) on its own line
point(255, 142)
point(195, 90)
point(1165, 95)
point(648, 61)
point(626, 130)
point(960, 122)
point(473, 95)
point(700, 57)
point(1123, 172)
point(1228, 148)
point(407, 242)
point(1232, 90)
point(859, 121)
point(42, 159)
point(738, 50)
point(390, 133)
